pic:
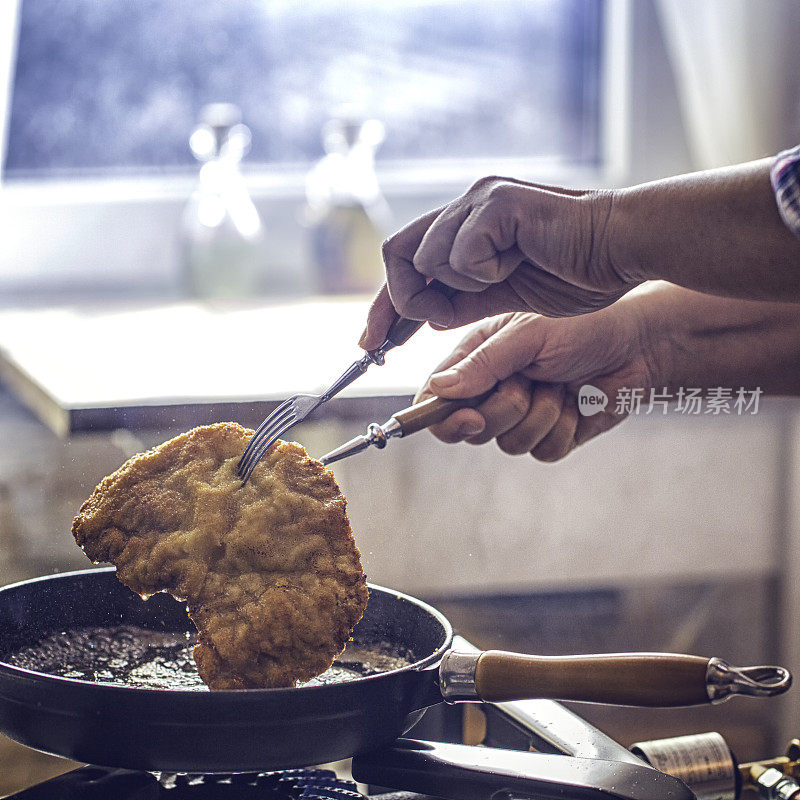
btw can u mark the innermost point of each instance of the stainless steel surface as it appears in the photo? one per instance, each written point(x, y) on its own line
point(377, 435)
point(460, 771)
point(574, 759)
point(703, 761)
point(457, 676)
point(356, 445)
point(723, 680)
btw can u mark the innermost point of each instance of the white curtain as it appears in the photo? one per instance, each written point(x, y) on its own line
point(734, 63)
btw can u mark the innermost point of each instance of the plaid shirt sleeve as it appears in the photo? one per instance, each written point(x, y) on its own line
point(785, 176)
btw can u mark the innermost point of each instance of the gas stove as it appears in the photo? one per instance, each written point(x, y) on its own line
point(571, 759)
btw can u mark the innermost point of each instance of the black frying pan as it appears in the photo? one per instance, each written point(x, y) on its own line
point(226, 731)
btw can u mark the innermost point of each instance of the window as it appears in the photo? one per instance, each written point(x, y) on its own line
point(117, 86)
point(98, 100)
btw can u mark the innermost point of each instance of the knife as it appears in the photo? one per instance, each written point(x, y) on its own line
point(403, 423)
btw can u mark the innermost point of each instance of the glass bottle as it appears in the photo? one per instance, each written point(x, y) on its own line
point(345, 212)
point(222, 232)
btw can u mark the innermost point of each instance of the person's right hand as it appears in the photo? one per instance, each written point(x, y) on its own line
point(505, 245)
point(537, 366)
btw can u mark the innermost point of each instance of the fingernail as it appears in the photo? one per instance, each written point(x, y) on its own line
point(469, 429)
point(442, 322)
point(442, 317)
point(446, 379)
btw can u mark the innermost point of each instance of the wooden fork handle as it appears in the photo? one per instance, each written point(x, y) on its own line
point(432, 411)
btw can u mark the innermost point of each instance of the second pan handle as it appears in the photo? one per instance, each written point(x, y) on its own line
point(633, 679)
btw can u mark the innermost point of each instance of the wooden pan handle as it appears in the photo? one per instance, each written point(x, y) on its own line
point(636, 679)
point(432, 411)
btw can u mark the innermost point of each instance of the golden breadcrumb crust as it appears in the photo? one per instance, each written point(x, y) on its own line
point(269, 570)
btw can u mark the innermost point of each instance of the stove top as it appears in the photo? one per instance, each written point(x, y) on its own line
point(530, 750)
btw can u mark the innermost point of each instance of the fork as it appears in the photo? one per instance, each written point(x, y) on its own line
point(294, 410)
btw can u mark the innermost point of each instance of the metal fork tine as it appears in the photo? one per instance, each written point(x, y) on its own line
point(265, 435)
point(267, 423)
point(296, 409)
point(265, 446)
point(256, 452)
point(261, 428)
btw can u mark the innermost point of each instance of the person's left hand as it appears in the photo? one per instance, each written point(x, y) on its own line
point(504, 245)
point(535, 367)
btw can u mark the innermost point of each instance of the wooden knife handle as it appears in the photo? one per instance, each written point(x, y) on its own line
point(432, 411)
point(635, 679)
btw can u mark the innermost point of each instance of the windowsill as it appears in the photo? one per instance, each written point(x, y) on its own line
point(123, 235)
point(406, 179)
point(92, 367)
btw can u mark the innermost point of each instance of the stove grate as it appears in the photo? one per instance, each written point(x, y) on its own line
point(292, 784)
point(98, 783)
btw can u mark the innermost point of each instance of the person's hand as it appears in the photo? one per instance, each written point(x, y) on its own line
point(537, 366)
point(661, 338)
point(505, 245)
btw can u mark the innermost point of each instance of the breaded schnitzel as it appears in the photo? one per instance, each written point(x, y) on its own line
point(269, 570)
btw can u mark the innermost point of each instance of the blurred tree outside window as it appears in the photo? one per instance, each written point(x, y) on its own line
point(115, 87)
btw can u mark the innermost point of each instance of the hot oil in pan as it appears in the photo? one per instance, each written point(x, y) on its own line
point(126, 655)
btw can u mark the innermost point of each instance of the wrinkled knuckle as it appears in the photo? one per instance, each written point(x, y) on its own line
point(517, 397)
point(486, 185)
point(499, 192)
point(482, 183)
point(481, 362)
point(520, 401)
point(549, 409)
point(596, 207)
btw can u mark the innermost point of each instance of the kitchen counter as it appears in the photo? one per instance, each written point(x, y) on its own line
point(176, 365)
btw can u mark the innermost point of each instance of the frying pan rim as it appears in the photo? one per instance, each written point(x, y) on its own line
point(429, 662)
